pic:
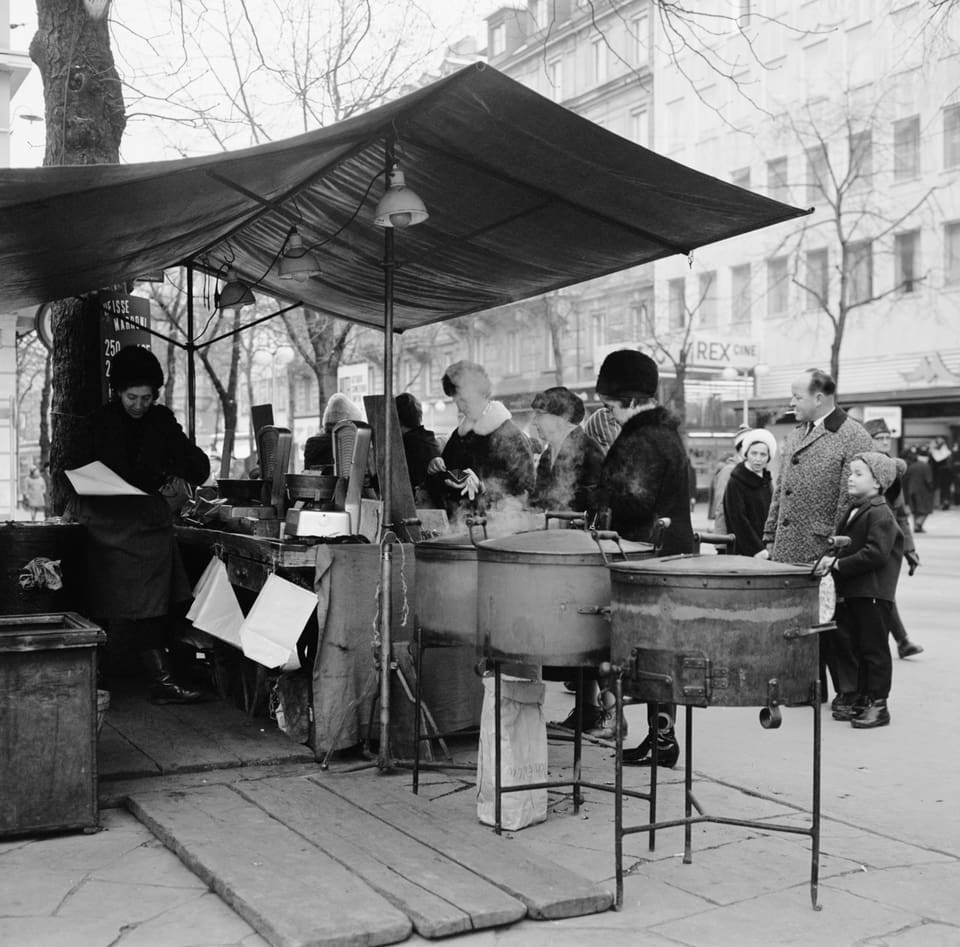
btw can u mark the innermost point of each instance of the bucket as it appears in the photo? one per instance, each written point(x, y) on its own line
point(103, 705)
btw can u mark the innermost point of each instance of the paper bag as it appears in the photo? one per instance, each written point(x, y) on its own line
point(270, 631)
point(523, 753)
point(215, 610)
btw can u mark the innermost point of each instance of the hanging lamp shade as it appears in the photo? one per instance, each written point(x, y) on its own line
point(297, 262)
point(235, 293)
point(400, 206)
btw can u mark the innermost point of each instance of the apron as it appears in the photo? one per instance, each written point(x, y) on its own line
point(134, 569)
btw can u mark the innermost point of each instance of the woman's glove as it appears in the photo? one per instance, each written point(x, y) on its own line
point(436, 465)
point(913, 561)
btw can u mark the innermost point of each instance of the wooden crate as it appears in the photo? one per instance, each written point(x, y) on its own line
point(48, 723)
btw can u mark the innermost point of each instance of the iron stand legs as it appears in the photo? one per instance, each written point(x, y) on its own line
point(690, 803)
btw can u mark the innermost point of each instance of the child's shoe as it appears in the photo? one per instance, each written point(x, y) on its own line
point(875, 714)
point(847, 706)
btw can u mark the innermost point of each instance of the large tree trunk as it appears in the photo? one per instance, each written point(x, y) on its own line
point(85, 118)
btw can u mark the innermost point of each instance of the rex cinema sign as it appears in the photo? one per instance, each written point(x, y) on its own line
point(716, 352)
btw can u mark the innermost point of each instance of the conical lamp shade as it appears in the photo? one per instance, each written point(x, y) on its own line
point(297, 261)
point(235, 293)
point(400, 206)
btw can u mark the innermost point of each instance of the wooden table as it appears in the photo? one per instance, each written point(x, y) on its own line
point(343, 675)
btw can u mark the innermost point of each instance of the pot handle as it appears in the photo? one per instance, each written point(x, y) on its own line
point(578, 520)
point(713, 539)
point(833, 544)
point(812, 630)
point(660, 526)
point(601, 534)
point(481, 523)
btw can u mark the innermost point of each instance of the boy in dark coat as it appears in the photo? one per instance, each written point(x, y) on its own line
point(866, 574)
point(645, 476)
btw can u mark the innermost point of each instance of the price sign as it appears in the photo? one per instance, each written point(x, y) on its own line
point(124, 320)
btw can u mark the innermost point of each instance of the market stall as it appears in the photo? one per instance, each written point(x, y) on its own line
point(521, 197)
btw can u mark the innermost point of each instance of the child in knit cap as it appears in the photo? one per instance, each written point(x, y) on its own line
point(866, 574)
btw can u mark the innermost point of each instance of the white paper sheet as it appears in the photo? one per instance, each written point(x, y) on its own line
point(216, 610)
point(98, 480)
point(270, 631)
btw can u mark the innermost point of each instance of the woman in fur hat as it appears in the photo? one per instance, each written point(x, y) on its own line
point(487, 455)
point(746, 499)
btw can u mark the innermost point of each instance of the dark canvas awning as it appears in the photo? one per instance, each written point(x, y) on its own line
point(524, 197)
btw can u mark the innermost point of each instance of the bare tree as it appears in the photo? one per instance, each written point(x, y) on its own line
point(832, 255)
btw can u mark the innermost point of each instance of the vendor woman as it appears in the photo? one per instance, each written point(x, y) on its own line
point(134, 570)
point(487, 455)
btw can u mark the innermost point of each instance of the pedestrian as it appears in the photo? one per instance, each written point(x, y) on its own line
point(941, 460)
point(318, 449)
point(645, 477)
point(810, 496)
point(918, 489)
point(718, 482)
point(135, 574)
point(882, 438)
point(35, 493)
point(749, 491)
point(866, 574)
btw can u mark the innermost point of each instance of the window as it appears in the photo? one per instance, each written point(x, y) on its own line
point(538, 10)
point(641, 319)
point(598, 328)
point(676, 124)
point(549, 356)
point(861, 159)
point(640, 39)
point(777, 186)
point(951, 136)
point(741, 177)
point(676, 304)
point(599, 51)
point(859, 272)
point(555, 79)
point(818, 174)
point(906, 248)
point(707, 306)
point(951, 263)
point(740, 295)
point(817, 279)
point(304, 398)
point(511, 353)
point(906, 149)
point(498, 40)
point(778, 286)
point(640, 127)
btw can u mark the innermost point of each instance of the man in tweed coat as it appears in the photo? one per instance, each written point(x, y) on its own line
point(810, 498)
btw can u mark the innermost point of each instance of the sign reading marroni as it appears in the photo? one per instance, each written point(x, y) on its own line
point(124, 320)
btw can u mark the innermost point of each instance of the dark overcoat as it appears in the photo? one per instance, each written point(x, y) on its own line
point(133, 567)
point(746, 502)
point(644, 477)
point(870, 566)
point(810, 496)
point(918, 488)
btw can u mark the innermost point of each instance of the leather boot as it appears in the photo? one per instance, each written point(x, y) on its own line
point(163, 688)
point(875, 714)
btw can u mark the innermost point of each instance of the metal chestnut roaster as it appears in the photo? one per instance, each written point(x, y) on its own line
point(727, 631)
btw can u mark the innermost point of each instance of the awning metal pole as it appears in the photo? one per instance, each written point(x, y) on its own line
point(191, 363)
point(386, 572)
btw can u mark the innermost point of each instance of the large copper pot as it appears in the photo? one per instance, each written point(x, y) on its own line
point(542, 596)
point(716, 630)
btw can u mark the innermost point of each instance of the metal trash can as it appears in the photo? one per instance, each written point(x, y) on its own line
point(48, 723)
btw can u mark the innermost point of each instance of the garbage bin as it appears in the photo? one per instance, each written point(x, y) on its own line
point(48, 723)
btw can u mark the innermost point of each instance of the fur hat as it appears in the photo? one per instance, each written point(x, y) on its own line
point(876, 426)
point(627, 373)
point(339, 408)
point(560, 401)
point(135, 365)
point(884, 469)
point(758, 435)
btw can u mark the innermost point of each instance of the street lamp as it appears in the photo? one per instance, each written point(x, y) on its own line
point(748, 376)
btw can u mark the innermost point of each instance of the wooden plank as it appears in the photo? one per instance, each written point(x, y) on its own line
point(437, 894)
point(293, 894)
point(180, 738)
point(549, 891)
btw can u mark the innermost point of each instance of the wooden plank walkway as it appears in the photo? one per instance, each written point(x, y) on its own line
point(277, 850)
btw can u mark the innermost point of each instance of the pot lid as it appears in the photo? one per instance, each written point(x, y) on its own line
point(562, 542)
point(457, 541)
point(714, 565)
